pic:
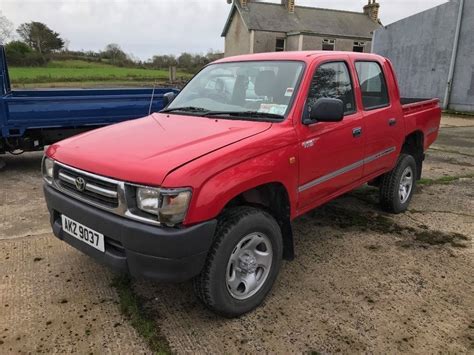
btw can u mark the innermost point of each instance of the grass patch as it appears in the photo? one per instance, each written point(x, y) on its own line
point(130, 306)
point(346, 219)
point(82, 71)
point(445, 180)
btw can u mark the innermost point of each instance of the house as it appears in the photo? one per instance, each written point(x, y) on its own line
point(438, 60)
point(254, 27)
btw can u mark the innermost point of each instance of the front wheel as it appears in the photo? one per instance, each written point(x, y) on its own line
point(243, 263)
point(397, 186)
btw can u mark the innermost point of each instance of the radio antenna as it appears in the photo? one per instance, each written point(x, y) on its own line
point(152, 97)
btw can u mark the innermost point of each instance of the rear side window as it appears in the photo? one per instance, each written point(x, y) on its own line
point(332, 80)
point(372, 84)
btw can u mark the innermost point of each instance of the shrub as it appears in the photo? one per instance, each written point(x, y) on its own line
point(19, 54)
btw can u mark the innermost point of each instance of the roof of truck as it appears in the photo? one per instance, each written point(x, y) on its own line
point(304, 56)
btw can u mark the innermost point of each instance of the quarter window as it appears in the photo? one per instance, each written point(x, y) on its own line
point(372, 84)
point(333, 80)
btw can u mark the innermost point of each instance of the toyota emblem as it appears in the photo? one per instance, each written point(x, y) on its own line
point(80, 184)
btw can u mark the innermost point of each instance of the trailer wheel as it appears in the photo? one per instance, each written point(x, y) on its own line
point(243, 262)
point(397, 186)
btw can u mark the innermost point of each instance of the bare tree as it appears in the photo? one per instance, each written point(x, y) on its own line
point(6, 28)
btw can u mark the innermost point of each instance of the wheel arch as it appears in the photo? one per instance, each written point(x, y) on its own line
point(414, 146)
point(272, 197)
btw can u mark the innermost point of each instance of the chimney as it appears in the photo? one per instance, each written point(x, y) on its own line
point(244, 3)
point(372, 10)
point(289, 4)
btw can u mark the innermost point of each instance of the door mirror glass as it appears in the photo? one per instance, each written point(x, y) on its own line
point(168, 98)
point(326, 110)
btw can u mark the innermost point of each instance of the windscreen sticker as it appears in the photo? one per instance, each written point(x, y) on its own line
point(289, 92)
point(273, 108)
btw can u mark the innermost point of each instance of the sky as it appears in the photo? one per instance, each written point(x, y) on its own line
point(148, 27)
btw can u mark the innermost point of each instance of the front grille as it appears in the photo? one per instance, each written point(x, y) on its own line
point(88, 187)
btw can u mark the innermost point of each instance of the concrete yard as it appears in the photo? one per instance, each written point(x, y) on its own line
point(362, 281)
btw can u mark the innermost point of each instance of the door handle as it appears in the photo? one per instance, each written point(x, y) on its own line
point(356, 132)
point(392, 122)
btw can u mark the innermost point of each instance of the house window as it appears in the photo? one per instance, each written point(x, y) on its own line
point(358, 47)
point(329, 44)
point(280, 45)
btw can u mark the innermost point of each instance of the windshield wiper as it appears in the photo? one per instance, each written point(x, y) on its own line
point(185, 109)
point(244, 114)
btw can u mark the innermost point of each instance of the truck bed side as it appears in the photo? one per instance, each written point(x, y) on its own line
point(424, 115)
point(30, 119)
point(27, 110)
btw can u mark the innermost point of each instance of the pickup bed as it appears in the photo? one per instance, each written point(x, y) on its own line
point(31, 119)
point(207, 188)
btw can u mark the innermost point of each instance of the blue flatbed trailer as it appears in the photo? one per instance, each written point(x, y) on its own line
point(31, 119)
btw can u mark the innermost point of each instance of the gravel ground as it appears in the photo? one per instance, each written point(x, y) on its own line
point(362, 281)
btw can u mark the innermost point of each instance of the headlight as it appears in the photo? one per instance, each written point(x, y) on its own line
point(170, 205)
point(47, 169)
point(148, 199)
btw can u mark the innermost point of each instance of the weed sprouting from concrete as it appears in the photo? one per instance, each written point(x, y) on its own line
point(131, 307)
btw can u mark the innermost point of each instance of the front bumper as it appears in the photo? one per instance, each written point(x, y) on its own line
point(159, 253)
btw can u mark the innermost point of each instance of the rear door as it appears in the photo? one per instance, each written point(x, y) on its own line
point(331, 154)
point(384, 128)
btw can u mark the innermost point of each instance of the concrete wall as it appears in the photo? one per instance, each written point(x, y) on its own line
point(266, 41)
point(315, 43)
point(420, 48)
point(312, 43)
point(237, 40)
point(462, 95)
point(292, 43)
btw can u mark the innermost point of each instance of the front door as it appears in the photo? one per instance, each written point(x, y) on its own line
point(331, 154)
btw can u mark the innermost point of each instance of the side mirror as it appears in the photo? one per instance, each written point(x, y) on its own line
point(168, 98)
point(326, 110)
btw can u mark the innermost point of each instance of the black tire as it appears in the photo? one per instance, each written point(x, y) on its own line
point(390, 199)
point(211, 285)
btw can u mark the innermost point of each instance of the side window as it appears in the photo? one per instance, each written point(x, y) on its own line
point(372, 84)
point(333, 80)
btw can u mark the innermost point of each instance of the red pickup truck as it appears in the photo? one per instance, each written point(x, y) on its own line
point(207, 188)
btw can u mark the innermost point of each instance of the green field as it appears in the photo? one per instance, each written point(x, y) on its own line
point(81, 73)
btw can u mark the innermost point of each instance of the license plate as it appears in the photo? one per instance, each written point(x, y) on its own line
point(83, 233)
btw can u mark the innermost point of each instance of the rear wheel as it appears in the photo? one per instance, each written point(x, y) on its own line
point(243, 262)
point(397, 186)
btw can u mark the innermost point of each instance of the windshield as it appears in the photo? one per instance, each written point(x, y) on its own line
point(256, 90)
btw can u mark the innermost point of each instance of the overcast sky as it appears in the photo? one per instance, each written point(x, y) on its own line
point(148, 27)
